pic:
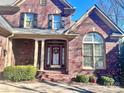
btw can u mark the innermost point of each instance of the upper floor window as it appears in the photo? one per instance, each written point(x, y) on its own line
point(28, 20)
point(93, 51)
point(55, 21)
point(43, 2)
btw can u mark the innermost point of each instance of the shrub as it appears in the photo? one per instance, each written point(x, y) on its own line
point(20, 73)
point(82, 78)
point(104, 80)
point(92, 79)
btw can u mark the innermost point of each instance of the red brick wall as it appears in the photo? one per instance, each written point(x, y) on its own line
point(23, 50)
point(2, 50)
point(35, 7)
point(111, 48)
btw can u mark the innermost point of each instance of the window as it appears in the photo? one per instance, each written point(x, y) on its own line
point(43, 2)
point(28, 20)
point(54, 21)
point(93, 51)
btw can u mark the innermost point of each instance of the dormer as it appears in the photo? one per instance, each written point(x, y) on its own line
point(43, 14)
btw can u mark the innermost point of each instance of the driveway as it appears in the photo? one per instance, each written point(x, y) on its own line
point(51, 87)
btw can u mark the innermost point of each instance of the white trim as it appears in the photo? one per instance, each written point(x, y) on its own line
point(93, 55)
point(54, 21)
point(42, 55)
point(66, 2)
point(36, 53)
point(18, 2)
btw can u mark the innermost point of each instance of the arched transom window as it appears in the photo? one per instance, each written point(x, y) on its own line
point(93, 51)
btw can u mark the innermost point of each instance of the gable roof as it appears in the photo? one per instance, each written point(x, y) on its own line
point(5, 28)
point(102, 15)
point(63, 5)
point(4, 32)
point(5, 24)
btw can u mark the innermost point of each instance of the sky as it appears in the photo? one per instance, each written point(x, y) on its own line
point(81, 7)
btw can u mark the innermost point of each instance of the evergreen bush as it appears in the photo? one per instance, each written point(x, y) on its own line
point(107, 81)
point(20, 73)
point(82, 78)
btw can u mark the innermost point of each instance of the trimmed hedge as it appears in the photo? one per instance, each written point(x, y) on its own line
point(82, 78)
point(107, 81)
point(20, 73)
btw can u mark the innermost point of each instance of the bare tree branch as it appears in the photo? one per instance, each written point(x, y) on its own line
point(114, 9)
point(120, 3)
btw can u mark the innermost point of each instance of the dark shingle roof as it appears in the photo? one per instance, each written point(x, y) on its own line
point(4, 24)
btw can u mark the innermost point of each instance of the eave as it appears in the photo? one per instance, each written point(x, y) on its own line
point(4, 32)
point(65, 7)
point(68, 11)
point(117, 36)
point(47, 36)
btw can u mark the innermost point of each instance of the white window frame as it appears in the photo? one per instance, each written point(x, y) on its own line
point(52, 20)
point(93, 43)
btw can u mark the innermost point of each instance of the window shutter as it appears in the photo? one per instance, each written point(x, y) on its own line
point(50, 21)
point(22, 20)
point(35, 20)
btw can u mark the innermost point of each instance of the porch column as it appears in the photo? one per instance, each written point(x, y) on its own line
point(6, 56)
point(36, 53)
point(9, 53)
point(42, 54)
point(67, 56)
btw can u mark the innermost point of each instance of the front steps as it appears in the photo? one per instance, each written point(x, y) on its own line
point(53, 76)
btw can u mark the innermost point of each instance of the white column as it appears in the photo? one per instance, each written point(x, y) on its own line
point(67, 56)
point(9, 53)
point(42, 54)
point(6, 56)
point(36, 53)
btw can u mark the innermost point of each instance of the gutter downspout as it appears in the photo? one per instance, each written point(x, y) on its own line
point(9, 51)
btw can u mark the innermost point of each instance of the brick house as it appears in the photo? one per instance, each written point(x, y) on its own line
point(42, 34)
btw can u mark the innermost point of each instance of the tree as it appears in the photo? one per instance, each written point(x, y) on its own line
point(119, 2)
point(114, 9)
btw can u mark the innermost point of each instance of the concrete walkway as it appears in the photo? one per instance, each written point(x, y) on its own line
point(39, 87)
point(51, 87)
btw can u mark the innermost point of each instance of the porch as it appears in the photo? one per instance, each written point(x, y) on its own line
point(45, 54)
